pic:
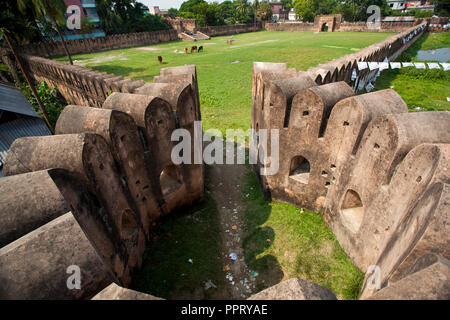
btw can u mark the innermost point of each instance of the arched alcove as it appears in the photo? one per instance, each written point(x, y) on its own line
point(352, 210)
point(300, 169)
point(170, 180)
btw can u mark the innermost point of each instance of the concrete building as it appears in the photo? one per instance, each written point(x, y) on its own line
point(155, 10)
point(278, 12)
point(292, 15)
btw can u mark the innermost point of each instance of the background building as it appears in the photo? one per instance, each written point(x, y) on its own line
point(278, 12)
point(155, 10)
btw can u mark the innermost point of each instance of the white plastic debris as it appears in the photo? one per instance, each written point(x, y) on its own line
point(209, 284)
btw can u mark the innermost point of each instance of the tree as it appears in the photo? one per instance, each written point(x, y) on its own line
point(51, 9)
point(442, 7)
point(173, 12)
point(305, 10)
point(255, 9)
point(242, 7)
point(264, 11)
point(227, 8)
point(188, 6)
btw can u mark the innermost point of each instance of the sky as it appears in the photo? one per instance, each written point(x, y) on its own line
point(167, 4)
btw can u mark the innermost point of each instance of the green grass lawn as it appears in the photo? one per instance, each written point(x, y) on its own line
point(300, 245)
point(225, 87)
point(422, 90)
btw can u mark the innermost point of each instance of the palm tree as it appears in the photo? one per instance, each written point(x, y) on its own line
point(52, 9)
point(242, 7)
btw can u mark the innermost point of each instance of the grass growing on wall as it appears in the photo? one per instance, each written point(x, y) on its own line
point(422, 90)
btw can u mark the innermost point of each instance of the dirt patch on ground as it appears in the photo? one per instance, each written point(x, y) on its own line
point(251, 44)
point(227, 187)
point(100, 60)
point(149, 49)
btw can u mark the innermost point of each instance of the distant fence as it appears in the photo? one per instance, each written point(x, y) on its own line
point(214, 31)
point(89, 45)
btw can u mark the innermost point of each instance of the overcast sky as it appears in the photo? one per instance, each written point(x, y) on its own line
point(167, 4)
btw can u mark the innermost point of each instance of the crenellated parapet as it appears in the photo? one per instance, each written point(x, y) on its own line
point(378, 174)
point(91, 194)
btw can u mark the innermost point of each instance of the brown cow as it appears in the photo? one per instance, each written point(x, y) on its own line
point(185, 50)
point(194, 48)
point(230, 41)
point(160, 59)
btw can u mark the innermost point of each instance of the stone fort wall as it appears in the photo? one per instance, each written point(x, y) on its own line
point(90, 45)
point(378, 174)
point(90, 195)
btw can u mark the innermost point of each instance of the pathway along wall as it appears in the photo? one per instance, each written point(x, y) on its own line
point(380, 176)
point(90, 195)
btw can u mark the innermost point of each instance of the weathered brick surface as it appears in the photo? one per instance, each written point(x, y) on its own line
point(378, 174)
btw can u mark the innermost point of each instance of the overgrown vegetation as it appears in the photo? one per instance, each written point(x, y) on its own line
point(53, 102)
point(226, 12)
point(422, 90)
point(127, 16)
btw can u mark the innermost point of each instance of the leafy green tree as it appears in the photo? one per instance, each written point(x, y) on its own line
point(125, 16)
point(227, 8)
point(173, 12)
point(442, 7)
point(188, 6)
point(287, 4)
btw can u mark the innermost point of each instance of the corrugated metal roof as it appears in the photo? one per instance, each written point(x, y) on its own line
point(13, 100)
point(23, 127)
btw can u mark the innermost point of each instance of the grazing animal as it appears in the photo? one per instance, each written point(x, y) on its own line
point(194, 48)
point(230, 41)
point(160, 59)
point(185, 50)
point(200, 49)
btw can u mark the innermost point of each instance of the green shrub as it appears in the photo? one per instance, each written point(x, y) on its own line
point(427, 74)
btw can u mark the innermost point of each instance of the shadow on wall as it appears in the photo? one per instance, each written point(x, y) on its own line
point(259, 238)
